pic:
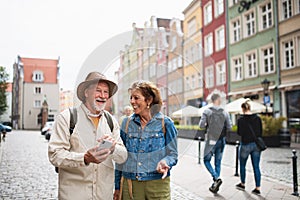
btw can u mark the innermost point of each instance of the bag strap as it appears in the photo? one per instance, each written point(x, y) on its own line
point(109, 121)
point(252, 132)
point(73, 119)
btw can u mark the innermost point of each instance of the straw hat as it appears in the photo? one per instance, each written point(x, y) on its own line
point(95, 77)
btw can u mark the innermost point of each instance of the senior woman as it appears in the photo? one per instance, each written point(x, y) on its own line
point(151, 141)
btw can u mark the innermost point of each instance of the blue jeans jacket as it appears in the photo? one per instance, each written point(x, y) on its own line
point(147, 147)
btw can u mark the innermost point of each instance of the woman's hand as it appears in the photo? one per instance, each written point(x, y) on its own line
point(163, 168)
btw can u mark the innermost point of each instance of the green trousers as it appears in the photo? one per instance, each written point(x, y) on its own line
point(146, 190)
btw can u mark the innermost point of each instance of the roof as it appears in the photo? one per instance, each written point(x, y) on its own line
point(49, 67)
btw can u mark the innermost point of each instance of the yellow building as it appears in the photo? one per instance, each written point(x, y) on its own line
point(192, 51)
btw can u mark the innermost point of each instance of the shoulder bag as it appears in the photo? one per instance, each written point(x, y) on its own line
point(258, 140)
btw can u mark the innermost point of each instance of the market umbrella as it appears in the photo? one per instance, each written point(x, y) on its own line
point(188, 111)
point(234, 107)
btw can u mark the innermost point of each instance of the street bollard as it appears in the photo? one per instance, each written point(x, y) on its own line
point(199, 150)
point(295, 176)
point(237, 158)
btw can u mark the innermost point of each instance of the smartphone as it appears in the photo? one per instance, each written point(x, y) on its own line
point(105, 144)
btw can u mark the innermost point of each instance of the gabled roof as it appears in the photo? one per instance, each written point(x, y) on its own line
point(49, 68)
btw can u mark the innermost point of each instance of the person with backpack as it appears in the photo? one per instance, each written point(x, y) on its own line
point(85, 169)
point(151, 140)
point(217, 122)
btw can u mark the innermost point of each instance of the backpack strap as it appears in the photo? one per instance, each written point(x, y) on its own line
point(109, 121)
point(127, 124)
point(73, 119)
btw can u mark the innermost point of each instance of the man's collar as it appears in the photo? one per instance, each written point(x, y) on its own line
point(89, 113)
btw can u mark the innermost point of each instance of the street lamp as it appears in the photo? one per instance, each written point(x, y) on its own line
point(265, 84)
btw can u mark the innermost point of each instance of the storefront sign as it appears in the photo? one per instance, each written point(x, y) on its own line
point(245, 5)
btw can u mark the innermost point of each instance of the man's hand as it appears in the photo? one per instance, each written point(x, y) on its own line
point(116, 195)
point(95, 156)
point(109, 138)
point(163, 168)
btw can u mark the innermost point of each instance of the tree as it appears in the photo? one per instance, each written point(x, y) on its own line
point(3, 86)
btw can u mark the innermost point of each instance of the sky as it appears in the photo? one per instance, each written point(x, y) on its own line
point(72, 30)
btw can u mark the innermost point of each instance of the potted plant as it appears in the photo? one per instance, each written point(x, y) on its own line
point(272, 130)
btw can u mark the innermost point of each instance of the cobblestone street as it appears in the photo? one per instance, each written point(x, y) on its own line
point(26, 173)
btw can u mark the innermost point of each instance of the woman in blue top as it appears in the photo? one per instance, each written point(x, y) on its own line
point(151, 141)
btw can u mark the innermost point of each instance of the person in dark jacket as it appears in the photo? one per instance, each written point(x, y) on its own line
point(248, 125)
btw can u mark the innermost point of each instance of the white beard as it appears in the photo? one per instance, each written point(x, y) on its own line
point(99, 108)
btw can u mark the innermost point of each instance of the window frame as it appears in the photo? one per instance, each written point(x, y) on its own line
point(208, 17)
point(234, 66)
point(263, 58)
point(237, 29)
point(252, 62)
point(291, 54)
point(261, 14)
point(209, 78)
point(252, 20)
point(217, 6)
point(217, 38)
point(221, 78)
point(208, 53)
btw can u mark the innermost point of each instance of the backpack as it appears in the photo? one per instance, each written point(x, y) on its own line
point(73, 121)
point(216, 124)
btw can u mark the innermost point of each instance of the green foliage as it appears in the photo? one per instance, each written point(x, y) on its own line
point(188, 127)
point(3, 85)
point(234, 128)
point(271, 125)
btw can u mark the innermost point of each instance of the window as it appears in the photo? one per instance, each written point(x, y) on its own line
point(209, 76)
point(193, 82)
point(267, 55)
point(200, 51)
point(249, 24)
point(251, 66)
point(288, 54)
point(187, 83)
point(266, 16)
point(221, 73)
point(232, 2)
point(286, 9)
point(219, 7)
point(174, 65)
point(37, 90)
point(220, 38)
point(236, 30)
point(298, 6)
point(179, 61)
point(207, 13)
point(174, 43)
point(208, 44)
point(200, 80)
point(37, 103)
point(237, 69)
point(192, 27)
point(37, 76)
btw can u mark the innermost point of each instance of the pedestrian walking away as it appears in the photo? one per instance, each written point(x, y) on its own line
point(216, 122)
point(249, 127)
point(86, 170)
point(151, 140)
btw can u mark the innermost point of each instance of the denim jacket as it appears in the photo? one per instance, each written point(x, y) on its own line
point(146, 148)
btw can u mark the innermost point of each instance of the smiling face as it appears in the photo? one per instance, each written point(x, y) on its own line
point(139, 102)
point(96, 96)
